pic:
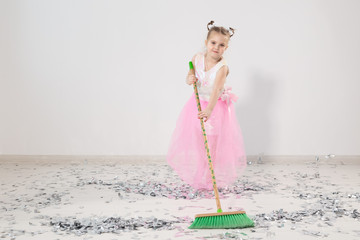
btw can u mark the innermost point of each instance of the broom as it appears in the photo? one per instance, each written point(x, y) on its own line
point(221, 219)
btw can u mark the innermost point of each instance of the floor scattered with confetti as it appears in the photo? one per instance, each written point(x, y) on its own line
point(138, 199)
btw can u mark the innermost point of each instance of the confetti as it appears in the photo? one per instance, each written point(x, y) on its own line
point(110, 225)
point(314, 200)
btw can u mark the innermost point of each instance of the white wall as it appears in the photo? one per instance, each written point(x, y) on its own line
point(107, 77)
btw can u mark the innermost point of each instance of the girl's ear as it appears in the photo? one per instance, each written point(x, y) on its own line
point(206, 42)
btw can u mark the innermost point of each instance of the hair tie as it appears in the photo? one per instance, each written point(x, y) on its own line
point(232, 30)
point(210, 23)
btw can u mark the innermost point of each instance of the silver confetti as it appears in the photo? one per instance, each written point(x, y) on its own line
point(110, 225)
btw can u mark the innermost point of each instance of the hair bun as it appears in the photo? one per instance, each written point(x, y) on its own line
point(210, 23)
point(232, 30)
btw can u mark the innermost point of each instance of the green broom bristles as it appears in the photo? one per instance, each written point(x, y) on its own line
point(222, 221)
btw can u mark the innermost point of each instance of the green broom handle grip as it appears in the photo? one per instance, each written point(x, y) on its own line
point(192, 71)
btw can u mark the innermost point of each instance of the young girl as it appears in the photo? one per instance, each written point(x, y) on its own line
point(187, 154)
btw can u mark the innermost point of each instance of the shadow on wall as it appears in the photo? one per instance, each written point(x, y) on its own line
point(254, 114)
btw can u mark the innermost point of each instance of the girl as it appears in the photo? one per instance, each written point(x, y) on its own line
point(186, 154)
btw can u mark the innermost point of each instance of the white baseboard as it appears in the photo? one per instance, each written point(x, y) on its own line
point(81, 158)
point(348, 159)
point(283, 159)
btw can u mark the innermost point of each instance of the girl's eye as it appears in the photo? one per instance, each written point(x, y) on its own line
point(213, 42)
point(222, 45)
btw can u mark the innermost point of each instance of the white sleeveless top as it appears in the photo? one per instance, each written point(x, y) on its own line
point(206, 79)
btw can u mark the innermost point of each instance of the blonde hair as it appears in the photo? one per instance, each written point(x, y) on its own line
point(218, 29)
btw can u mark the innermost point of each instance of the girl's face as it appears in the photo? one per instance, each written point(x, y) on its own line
point(216, 44)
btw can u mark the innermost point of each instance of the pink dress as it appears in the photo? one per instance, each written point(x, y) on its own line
point(187, 154)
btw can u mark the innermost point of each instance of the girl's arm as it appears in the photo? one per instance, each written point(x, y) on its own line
point(218, 87)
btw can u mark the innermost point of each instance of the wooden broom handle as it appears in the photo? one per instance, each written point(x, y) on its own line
point(192, 71)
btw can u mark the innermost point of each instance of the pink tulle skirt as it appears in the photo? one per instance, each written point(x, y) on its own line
point(187, 153)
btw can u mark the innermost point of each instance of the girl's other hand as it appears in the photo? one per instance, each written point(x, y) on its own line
point(205, 114)
point(190, 79)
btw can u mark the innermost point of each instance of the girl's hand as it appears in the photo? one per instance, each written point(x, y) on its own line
point(190, 79)
point(205, 114)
